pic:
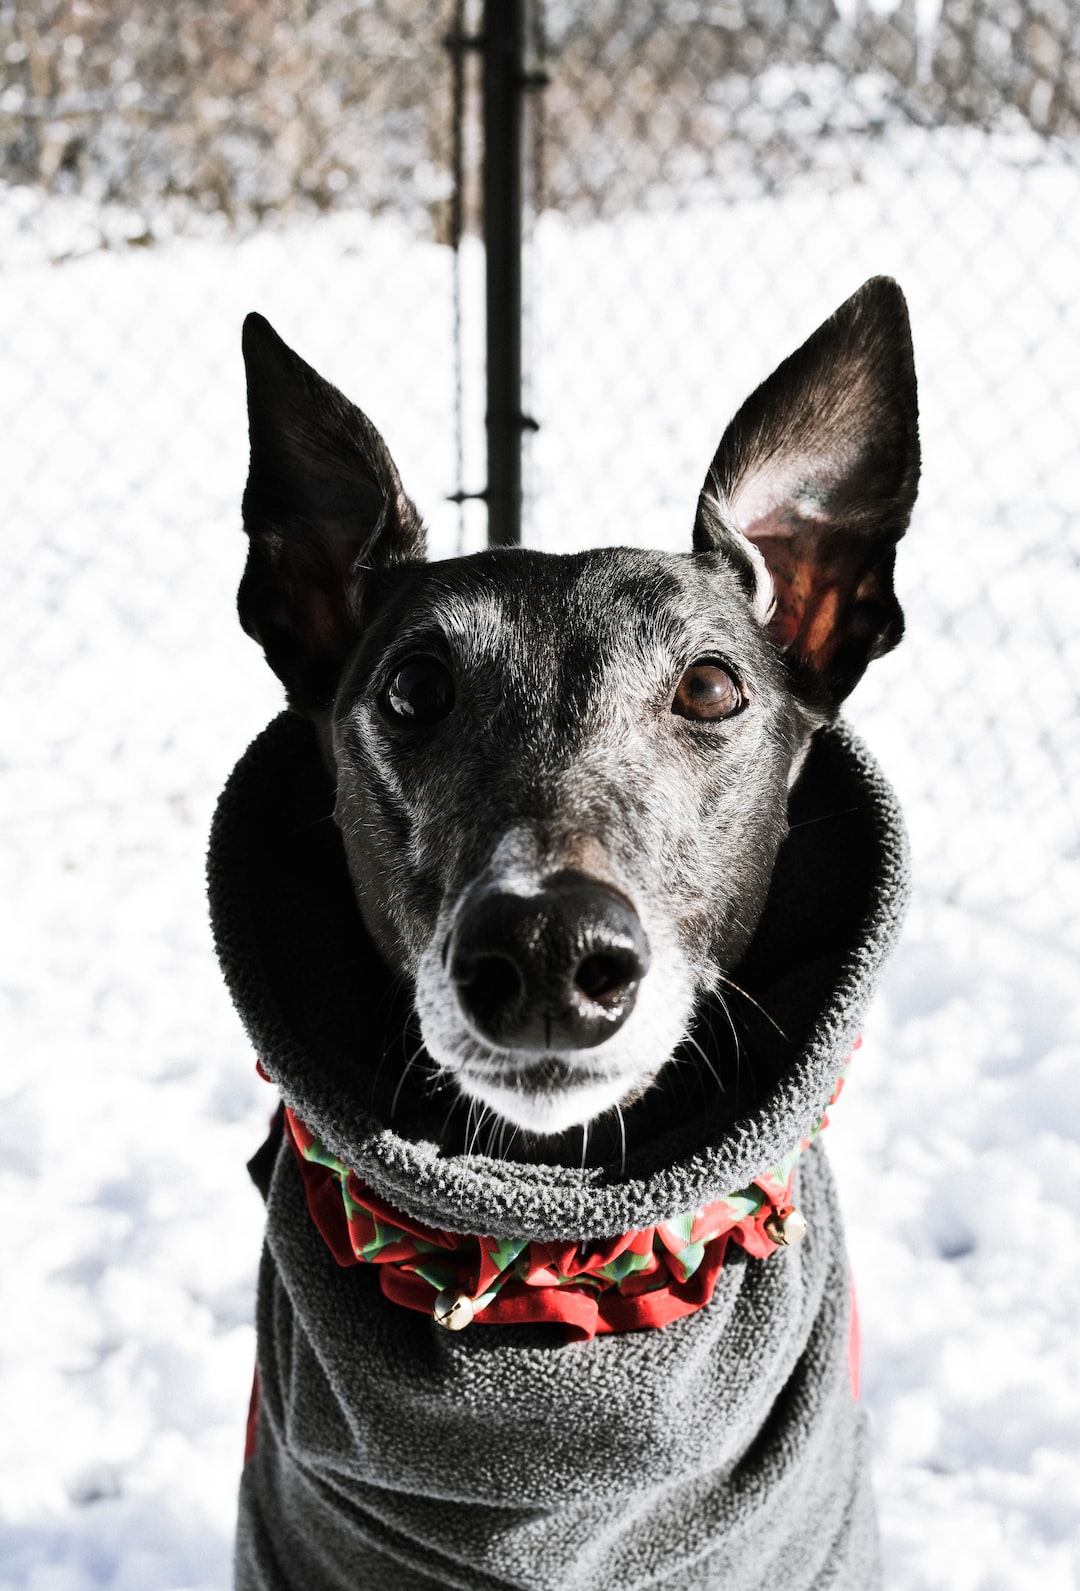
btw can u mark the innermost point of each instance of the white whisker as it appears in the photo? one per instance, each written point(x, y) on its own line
point(746, 996)
point(707, 1061)
point(409, 1064)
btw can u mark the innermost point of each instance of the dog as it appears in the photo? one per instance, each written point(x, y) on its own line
point(564, 790)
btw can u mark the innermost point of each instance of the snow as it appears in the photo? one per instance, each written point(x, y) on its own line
point(129, 1233)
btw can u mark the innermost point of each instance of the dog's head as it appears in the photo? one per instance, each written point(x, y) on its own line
point(562, 782)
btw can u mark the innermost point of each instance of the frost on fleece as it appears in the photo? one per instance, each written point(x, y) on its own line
point(723, 1450)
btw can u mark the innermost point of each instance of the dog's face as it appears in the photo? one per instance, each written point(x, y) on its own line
point(562, 781)
point(561, 785)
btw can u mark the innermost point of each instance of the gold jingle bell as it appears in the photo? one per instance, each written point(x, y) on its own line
point(453, 1310)
point(786, 1227)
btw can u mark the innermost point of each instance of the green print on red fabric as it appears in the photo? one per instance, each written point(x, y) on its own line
point(638, 1279)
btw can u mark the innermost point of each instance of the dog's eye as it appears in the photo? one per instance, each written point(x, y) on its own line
point(707, 691)
point(420, 691)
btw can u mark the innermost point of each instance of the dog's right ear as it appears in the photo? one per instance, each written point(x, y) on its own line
point(812, 487)
point(323, 506)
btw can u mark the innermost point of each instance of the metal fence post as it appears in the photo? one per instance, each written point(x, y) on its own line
point(504, 89)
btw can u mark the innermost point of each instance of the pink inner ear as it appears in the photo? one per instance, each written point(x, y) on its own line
point(810, 570)
point(809, 596)
point(322, 613)
point(782, 495)
point(323, 621)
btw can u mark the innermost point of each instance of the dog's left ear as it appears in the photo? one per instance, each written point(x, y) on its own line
point(813, 485)
point(324, 504)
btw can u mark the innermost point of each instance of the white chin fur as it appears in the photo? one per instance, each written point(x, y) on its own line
point(545, 1110)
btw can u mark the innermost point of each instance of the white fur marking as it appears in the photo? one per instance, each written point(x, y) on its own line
point(763, 602)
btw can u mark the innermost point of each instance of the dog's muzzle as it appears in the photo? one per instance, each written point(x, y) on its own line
point(553, 971)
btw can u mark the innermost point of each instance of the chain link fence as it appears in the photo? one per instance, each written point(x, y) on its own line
point(712, 180)
point(709, 178)
point(243, 110)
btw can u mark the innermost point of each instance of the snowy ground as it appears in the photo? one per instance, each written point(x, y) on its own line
point(129, 1234)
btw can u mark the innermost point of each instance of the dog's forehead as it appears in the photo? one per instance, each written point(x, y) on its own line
point(596, 602)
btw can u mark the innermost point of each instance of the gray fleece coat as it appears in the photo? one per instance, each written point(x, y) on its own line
point(723, 1451)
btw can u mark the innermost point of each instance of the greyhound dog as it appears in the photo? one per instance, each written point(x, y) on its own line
point(562, 785)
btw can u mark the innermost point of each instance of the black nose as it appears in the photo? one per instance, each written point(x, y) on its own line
point(558, 970)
